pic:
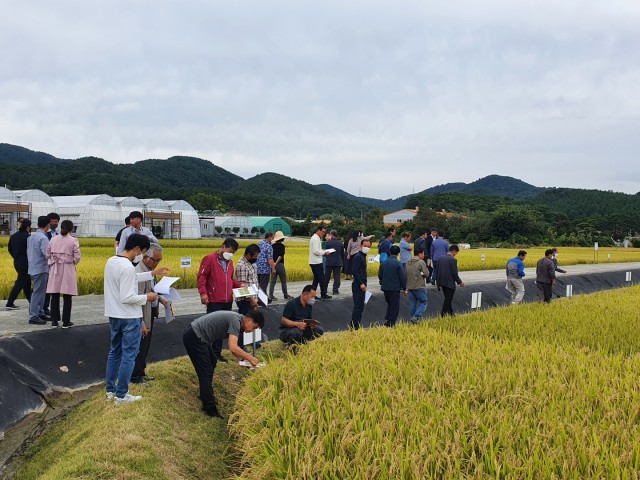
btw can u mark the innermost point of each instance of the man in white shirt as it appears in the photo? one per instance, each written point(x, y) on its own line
point(135, 219)
point(122, 305)
point(316, 252)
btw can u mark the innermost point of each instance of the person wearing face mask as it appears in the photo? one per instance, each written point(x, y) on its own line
point(122, 306)
point(247, 273)
point(555, 261)
point(54, 220)
point(216, 283)
point(293, 327)
point(359, 285)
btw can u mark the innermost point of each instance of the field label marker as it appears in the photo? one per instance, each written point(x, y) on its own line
point(476, 300)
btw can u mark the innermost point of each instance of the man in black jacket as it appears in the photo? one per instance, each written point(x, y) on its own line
point(393, 280)
point(18, 250)
point(334, 261)
point(359, 285)
point(448, 278)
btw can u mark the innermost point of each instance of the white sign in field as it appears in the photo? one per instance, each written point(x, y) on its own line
point(185, 262)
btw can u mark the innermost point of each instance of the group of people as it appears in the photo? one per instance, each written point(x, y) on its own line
point(45, 262)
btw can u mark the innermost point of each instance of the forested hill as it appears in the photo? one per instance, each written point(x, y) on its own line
point(490, 185)
point(173, 178)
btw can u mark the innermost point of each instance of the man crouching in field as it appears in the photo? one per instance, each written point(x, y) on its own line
point(205, 331)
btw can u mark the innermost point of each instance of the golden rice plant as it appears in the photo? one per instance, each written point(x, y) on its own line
point(466, 399)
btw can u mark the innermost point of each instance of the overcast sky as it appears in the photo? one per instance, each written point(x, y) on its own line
point(382, 98)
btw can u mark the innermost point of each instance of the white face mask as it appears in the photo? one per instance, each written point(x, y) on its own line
point(311, 301)
point(365, 250)
point(227, 256)
point(138, 258)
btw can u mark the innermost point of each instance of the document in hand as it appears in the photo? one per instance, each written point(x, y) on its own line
point(242, 292)
point(164, 285)
point(330, 250)
point(367, 296)
point(311, 322)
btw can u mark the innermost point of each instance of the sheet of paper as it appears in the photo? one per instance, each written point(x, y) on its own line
point(330, 250)
point(168, 313)
point(367, 296)
point(263, 297)
point(245, 363)
point(172, 296)
point(248, 337)
point(163, 286)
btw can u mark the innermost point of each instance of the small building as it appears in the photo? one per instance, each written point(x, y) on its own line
point(271, 224)
point(11, 208)
point(160, 219)
point(397, 218)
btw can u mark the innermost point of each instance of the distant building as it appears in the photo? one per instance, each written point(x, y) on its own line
point(397, 218)
point(99, 215)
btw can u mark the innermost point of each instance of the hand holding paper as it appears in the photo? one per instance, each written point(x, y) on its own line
point(164, 285)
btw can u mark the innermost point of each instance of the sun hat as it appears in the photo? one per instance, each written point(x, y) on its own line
point(278, 236)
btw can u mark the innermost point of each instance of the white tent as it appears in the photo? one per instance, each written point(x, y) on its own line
point(189, 222)
point(229, 222)
point(41, 203)
point(92, 215)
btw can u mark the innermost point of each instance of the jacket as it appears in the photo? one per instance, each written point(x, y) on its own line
point(359, 269)
point(405, 251)
point(419, 245)
point(335, 259)
point(417, 273)
point(515, 268)
point(18, 249)
point(391, 275)
point(63, 254)
point(439, 249)
point(448, 272)
point(545, 270)
point(214, 282)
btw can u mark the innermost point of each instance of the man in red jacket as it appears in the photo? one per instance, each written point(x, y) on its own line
point(216, 283)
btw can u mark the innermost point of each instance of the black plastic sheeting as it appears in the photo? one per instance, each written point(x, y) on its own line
point(30, 362)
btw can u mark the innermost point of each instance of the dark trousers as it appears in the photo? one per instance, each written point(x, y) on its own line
point(358, 306)
point(216, 307)
point(281, 272)
point(204, 361)
point(318, 278)
point(393, 307)
point(66, 308)
point(545, 291)
point(47, 301)
point(23, 283)
point(141, 358)
point(336, 272)
point(263, 281)
point(447, 306)
point(294, 335)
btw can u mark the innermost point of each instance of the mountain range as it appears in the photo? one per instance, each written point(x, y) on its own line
point(267, 193)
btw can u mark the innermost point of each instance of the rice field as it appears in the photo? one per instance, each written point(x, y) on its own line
point(531, 391)
point(96, 251)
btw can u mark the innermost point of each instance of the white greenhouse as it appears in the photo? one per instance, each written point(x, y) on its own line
point(41, 204)
point(189, 222)
point(92, 215)
point(11, 208)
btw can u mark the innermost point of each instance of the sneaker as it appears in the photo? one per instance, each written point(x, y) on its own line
point(128, 398)
point(288, 297)
point(139, 381)
point(111, 396)
point(68, 325)
point(325, 297)
point(12, 307)
point(148, 378)
point(45, 317)
point(222, 359)
point(273, 299)
point(47, 311)
point(212, 412)
point(336, 293)
point(55, 324)
point(37, 321)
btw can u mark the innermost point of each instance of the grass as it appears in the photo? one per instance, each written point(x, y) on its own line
point(528, 391)
point(164, 436)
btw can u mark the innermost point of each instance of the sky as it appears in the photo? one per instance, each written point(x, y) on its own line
point(380, 99)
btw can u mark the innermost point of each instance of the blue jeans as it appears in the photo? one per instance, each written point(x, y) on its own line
point(417, 303)
point(125, 342)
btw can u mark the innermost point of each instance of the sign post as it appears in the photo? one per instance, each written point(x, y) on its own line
point(595, 252)
point(185, 262)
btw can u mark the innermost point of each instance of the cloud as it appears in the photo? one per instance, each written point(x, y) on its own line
point(365, 95)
